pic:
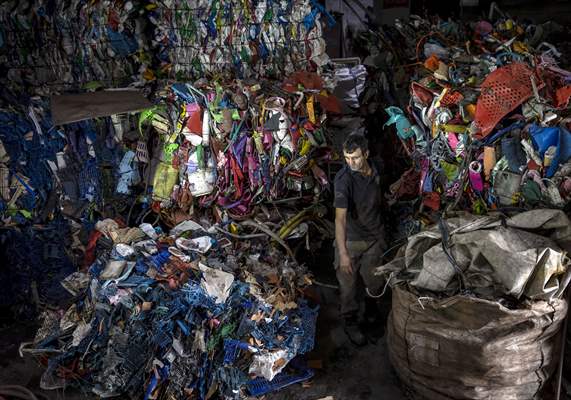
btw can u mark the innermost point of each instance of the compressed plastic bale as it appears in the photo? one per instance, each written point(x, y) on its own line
point(468, 348)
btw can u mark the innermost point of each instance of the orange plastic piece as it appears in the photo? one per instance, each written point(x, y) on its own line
point(502, 91)
point(489, 161)
point(471, 109)
point(562, 96)
point(432, 63)
point(451, 98)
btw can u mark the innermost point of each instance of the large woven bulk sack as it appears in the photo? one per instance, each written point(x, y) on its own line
point(467, 348)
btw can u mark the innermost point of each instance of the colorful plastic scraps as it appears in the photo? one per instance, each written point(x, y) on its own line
point(222, 152)
point(487, 125)
point(238, 144)
point(219, 311)
point(249, 39)
point(189, 314)
point(74, 169)
point(75, 44)
point(27, 142)
point(54, 181)
point(68, 44)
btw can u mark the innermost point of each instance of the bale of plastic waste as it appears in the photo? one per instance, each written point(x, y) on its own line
point(478, 305)
point(468, 348)
point(567, 362)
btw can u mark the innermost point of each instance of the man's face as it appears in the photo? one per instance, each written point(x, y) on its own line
point(356, 160)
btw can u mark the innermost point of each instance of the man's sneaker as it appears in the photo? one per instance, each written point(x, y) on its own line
point(355, 335)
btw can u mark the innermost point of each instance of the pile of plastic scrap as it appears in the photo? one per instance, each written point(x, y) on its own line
point(32, 228)
point(226, 149)
point(237, 144)
point(486, 133)
point(211, 309)
point(159, 291)
point(185, 315)
point(27, 139)
point(232, 146)
point(487, 124)
point(71, 43)
point(52, 181)
point(69, 170)
point(249, 39)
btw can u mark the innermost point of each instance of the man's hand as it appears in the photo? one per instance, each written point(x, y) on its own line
point(345, 264)
point(340, 240)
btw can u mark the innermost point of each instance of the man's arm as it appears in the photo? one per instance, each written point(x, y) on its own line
point(341, 240)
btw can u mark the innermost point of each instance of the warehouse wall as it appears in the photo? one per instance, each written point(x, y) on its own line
point(389, 10)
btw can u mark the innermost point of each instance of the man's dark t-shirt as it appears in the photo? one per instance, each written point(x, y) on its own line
point(361, 196)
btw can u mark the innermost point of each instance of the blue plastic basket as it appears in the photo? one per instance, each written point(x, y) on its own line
point(232, 348)
point(261, 386)
point(308, 322)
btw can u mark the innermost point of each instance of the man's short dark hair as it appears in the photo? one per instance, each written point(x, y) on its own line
point(354, 142)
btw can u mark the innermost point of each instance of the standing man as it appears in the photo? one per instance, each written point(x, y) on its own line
point(359, 232)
